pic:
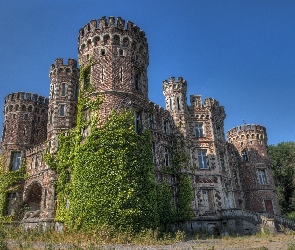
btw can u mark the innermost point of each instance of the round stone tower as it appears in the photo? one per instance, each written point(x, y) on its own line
point(257, 179)
point(118, 55)
point(25, 119)
point(62, 110)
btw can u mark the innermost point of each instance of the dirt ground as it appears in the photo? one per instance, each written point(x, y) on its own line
point(271, 242)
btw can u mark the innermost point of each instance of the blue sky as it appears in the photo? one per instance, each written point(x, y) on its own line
point(241, 53)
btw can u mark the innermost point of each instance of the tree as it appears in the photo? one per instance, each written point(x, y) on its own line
point(282, 157)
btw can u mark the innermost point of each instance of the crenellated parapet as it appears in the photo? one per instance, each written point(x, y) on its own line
point(69, 69)
point(25, 102)
point(247, 132)
point(103, 31)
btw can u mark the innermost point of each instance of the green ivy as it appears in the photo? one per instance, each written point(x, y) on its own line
point(10, 181)
point(107, 178)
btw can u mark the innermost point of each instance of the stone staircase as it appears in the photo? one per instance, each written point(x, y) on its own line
point(274, 223)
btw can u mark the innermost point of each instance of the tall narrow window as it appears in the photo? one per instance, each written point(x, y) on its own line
point(170, 103)
point(76, 92)
point(262, 176)
point(138, 122)
point(137, 78)
point(151, 121)
point(50, 118)
point(63, 89)
point(52, 92)
point(244, 155)
point(178, 104)
point(16, 160)
point(121, 74)
point(166, 157)
point(199, 130)
point(165, 127)
point(3, 133)
point(62, 110)
point(202, 158)
point(102, 73)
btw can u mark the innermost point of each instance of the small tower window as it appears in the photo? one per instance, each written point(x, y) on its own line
point(170, 104)
point(166, 157)
point(244, 155)
point(199, 130)
point(102, 73)
point(121, 74)
point(137, 79)
point(87, 78)
point(178, 104)
point(26, 116)
point(151, 121)
point(103, 52)
point(138, 121)
point(3, 133)
point(16, 160)
point(165, 127)
point(154, 152)
point(63, 89)
point(121, 52)
point(62, 110)
point(76, 92)
point(262, 176)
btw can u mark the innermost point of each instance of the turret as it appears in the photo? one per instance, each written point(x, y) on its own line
point(64, 86)
point(257, 179)
point(119, 56)
point(25, 119)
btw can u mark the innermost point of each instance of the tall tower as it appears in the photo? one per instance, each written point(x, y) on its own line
point(119, 59)
point(176, 102)
point(64, 86)
point(257, 179)
point(25, 119)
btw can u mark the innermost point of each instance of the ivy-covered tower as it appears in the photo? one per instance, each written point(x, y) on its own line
point(118, 54)
point(64, 81)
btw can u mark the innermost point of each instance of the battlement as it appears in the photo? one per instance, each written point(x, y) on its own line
point(247, 128)
point(175, 85)
point(103, 24)
point(72, 63)
point(25, 96)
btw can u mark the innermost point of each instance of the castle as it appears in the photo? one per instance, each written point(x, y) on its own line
point(233, 175)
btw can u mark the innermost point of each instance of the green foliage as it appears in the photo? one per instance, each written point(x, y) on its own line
point(282, 157)
point(185, 197)
point(9, 182)
point(107, 178)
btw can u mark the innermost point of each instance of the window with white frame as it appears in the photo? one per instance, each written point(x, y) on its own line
point(199, 130)
point(262, 176)
point(166, 157)
point(16, 160)
point(202, 158)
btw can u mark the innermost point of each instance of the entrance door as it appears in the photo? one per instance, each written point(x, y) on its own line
point(268, 206)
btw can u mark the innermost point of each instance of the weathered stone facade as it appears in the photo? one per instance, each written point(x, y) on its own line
point(233, 174)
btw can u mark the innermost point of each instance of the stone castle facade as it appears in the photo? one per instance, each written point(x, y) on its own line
point(225, 174)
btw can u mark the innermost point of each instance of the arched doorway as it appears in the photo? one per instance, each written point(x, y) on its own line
point(33, 196)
